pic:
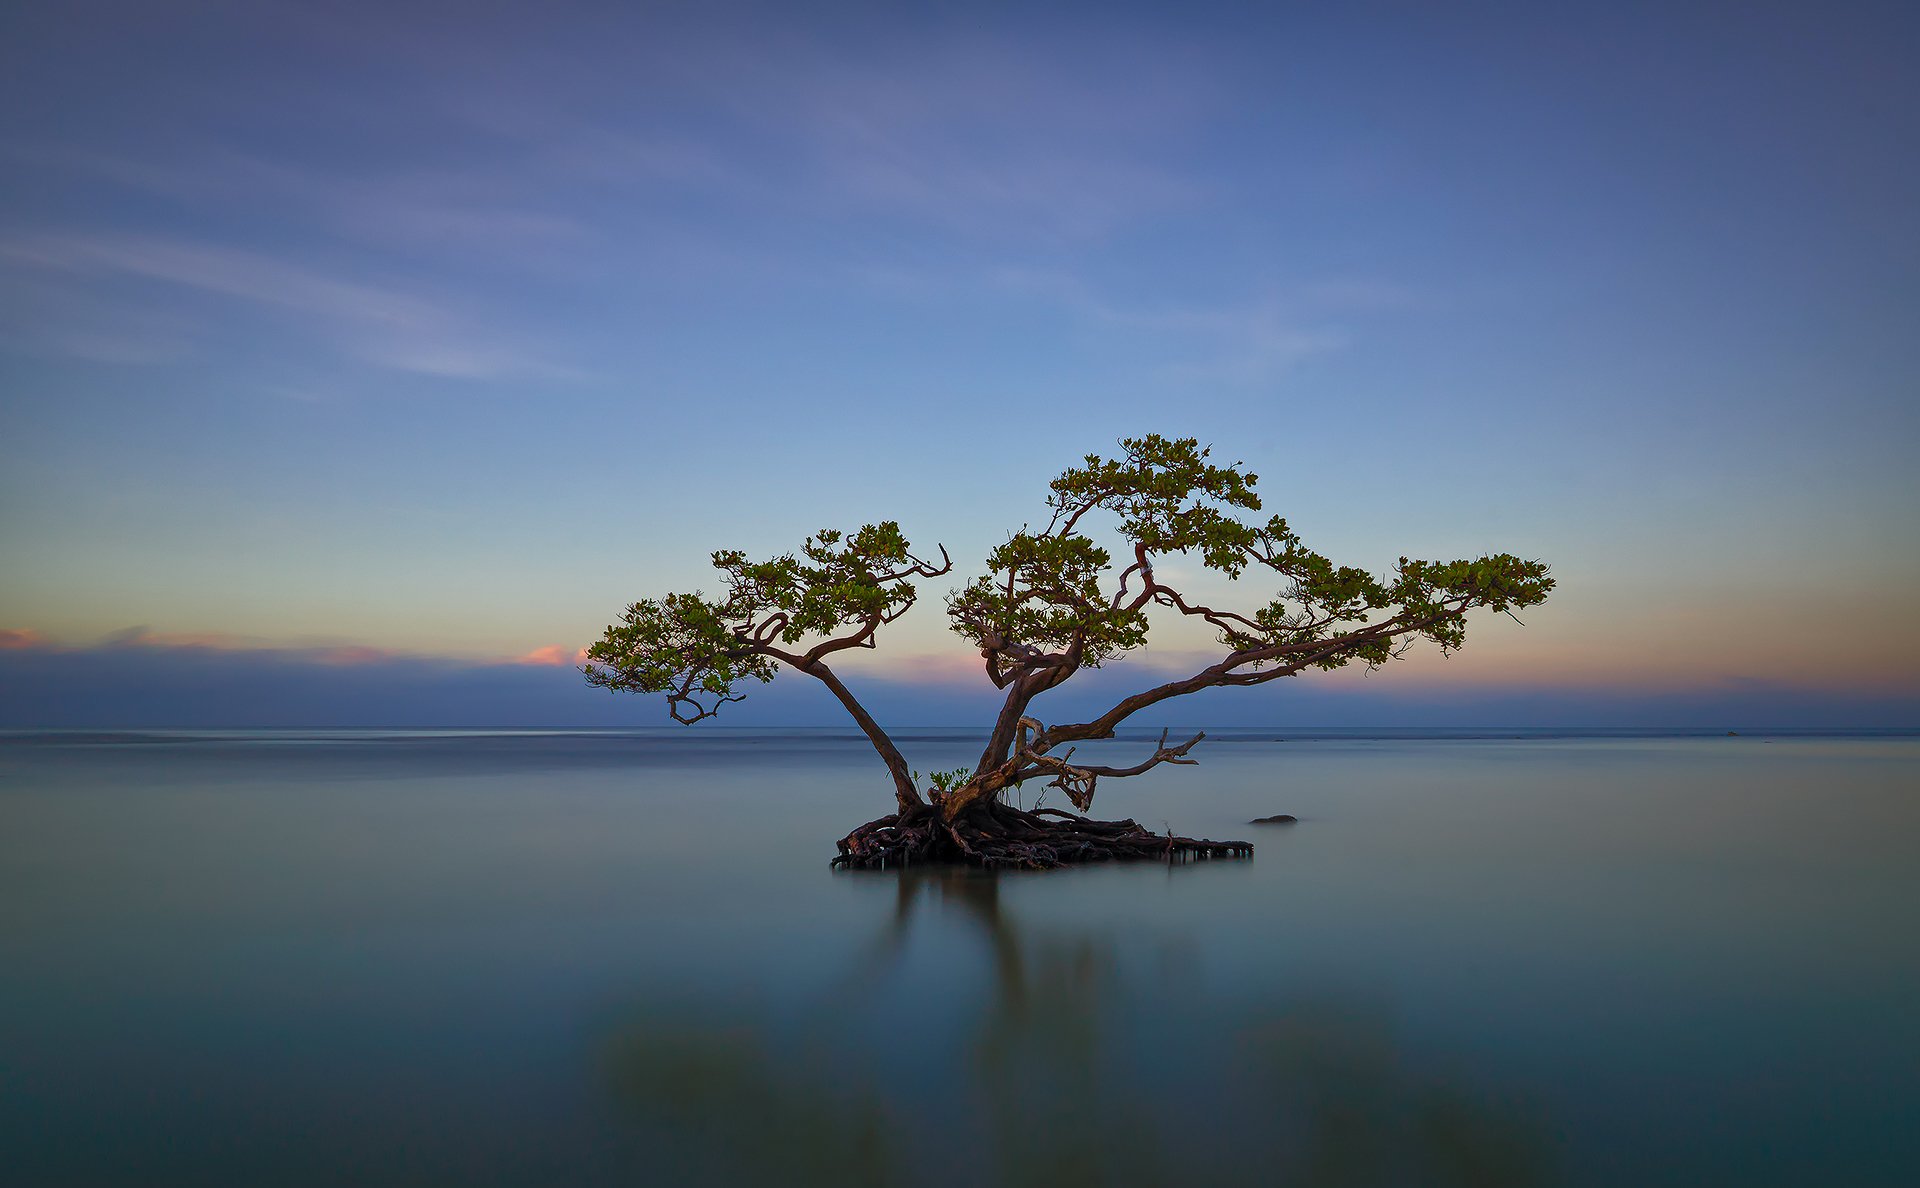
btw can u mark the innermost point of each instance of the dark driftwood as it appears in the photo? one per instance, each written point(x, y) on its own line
point(1000, 836)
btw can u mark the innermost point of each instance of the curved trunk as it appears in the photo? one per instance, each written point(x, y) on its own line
point(904, 793)
point(1028, 685)
point(1000, 742)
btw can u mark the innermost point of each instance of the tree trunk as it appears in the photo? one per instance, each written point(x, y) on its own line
point(981, 789)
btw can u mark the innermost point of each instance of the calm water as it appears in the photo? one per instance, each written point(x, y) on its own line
point(599, 959)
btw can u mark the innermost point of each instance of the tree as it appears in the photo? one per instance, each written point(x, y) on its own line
point(1048, 607)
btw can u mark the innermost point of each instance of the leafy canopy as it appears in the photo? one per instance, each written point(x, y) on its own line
point(698, 649)
point(1051, 601)
point(1043, 595)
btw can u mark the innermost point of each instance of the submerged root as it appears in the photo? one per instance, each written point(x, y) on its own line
point(1001, 836)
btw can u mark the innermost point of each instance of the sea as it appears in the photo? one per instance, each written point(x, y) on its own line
point(1480, 957)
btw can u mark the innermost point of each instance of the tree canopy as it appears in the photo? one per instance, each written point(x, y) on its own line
point(1051, 603)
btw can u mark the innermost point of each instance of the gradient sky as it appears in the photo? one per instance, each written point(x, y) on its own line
point(345, 334)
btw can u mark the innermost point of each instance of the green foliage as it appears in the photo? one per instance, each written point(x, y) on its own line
point(1044, 592)
point(682, 645)
point(946, 781)
point(1051, 601)
point(837, 581)
point(698, 650)
point(1168, 498)
point(1044, 595)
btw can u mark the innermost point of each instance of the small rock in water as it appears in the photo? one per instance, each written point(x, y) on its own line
point(1276, 819)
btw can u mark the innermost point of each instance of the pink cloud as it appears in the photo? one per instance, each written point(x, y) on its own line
point(555, 655)
point(22, 637)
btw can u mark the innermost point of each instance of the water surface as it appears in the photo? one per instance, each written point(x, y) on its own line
point(1482, 957)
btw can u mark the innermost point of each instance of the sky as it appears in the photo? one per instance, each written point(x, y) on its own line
point(362, 362)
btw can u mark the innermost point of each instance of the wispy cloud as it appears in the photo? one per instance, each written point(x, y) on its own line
point(1036, 139)
point(225, 271)
point(982, 135)
point(1246, 342)
point(546, 177)
point(49, 314)
point(446, 209)
point(377, 324)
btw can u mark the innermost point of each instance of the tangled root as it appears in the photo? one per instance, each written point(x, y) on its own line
point(1001, 836)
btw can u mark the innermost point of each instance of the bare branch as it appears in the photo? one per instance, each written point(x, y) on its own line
point(1078, 780)
point(769, 629)
point(1224, 620)
point(1296, 656)
point(919, 568)
point(685, 695)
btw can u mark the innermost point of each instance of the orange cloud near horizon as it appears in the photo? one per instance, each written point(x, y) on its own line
point(554, 655)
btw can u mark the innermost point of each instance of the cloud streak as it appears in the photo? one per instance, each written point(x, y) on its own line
point(1240, 343)
point(380, 325)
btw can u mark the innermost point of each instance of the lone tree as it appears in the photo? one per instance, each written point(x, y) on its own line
point(1042, 612)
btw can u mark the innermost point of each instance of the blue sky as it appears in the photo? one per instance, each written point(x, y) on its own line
point(400, 333)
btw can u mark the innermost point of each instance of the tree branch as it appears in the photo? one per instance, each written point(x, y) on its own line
point(1034, 677)
point(1299, 656)
point(1224, 620)
point(1077, 780)
point(904, 792)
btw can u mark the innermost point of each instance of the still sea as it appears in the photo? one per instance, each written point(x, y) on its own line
point(1481, 957)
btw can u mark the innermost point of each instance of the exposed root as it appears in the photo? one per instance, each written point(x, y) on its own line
point(999, 835)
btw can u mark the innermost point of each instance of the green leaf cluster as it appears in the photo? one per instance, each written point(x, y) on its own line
point(1168, 497)
point(1498, 582)
point(944, 782)
point(681, 644)
point(698, 649)
point(1043, 593)
point(838, 580)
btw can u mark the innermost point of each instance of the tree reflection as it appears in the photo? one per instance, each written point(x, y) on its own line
point(1071, 1067)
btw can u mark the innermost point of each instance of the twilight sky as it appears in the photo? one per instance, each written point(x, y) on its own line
point(346, 345)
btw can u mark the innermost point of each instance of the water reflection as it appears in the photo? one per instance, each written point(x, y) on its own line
point(1074, 1062)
